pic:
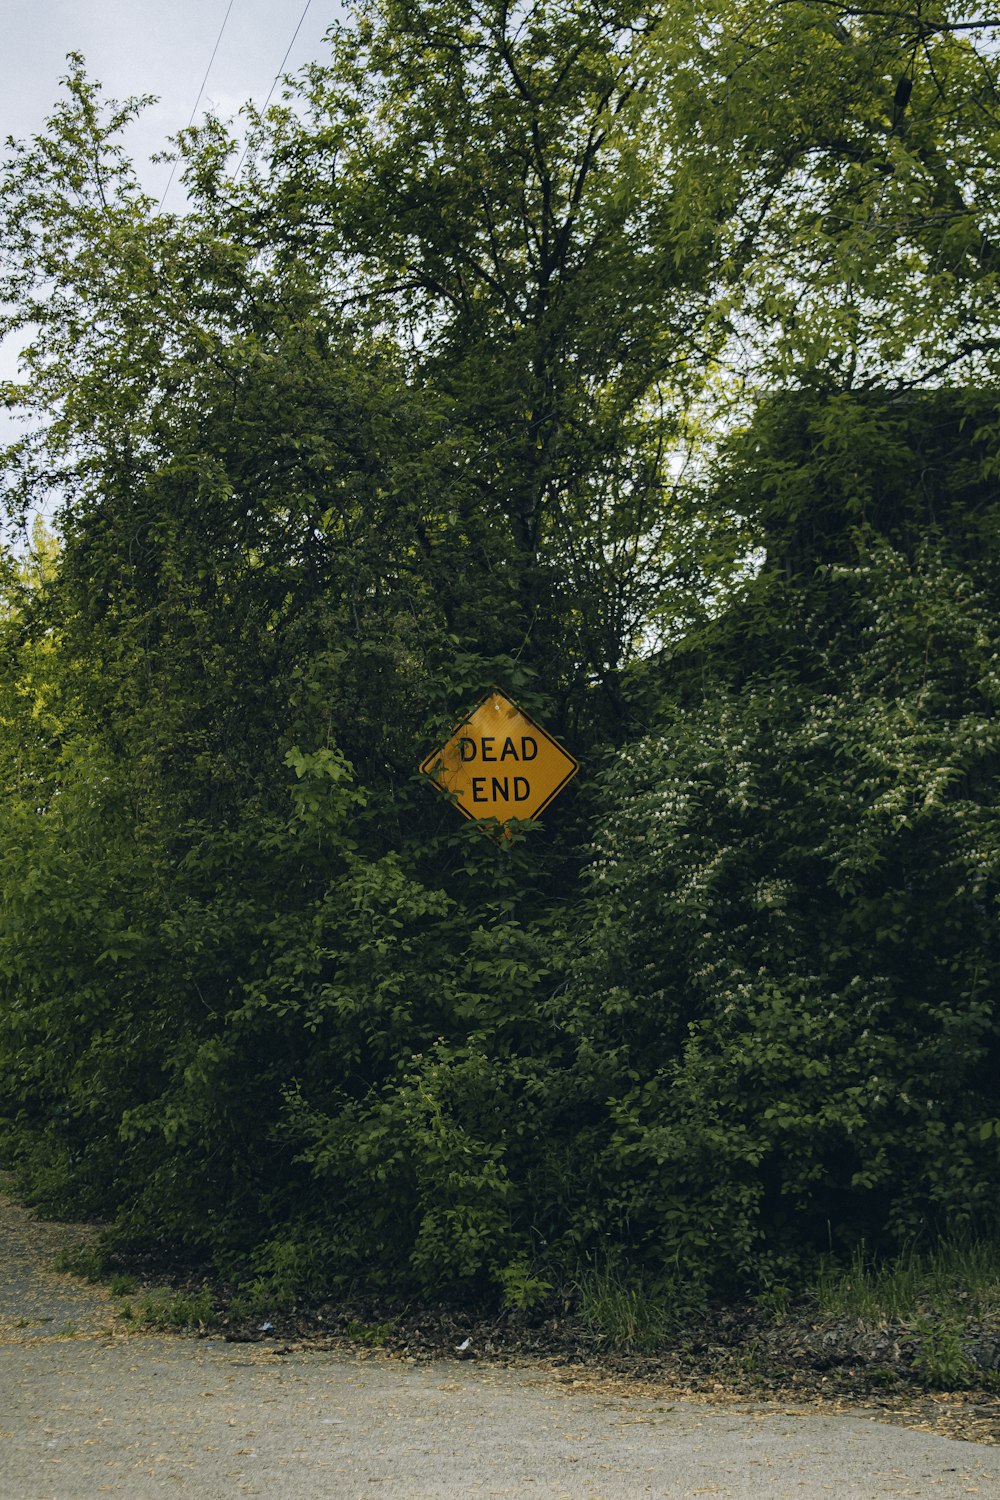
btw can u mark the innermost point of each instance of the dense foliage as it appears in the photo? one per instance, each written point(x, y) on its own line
point(598, 353)
point(789, 995)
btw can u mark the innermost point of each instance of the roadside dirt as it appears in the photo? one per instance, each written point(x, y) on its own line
point(735, 1354)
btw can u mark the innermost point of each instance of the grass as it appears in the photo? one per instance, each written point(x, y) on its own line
point(957, 1278)
point(173, 1310)
point(89, 1261)
point(935, 1292)
point(165, 1309)
point(623, 1313)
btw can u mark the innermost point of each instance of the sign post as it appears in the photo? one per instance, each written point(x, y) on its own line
point(498, 763)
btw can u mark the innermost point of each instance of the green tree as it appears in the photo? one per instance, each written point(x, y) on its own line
point(871, 213)
point(423, 397)
point(785, 1005)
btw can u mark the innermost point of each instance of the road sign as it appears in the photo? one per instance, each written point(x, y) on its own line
point(498, 763)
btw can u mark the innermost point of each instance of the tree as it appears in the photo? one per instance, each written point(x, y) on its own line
point(422, 397)
point(871, 217)
point(784, 1005)
point(501, 190)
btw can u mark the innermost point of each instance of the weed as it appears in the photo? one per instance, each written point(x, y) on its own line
point(123, 1285)
point(522, 1288)
point(176, 1309)
point(89, 1261)
point(626, 1314)
point(941, 1361)
point(251, 1301)
point(959, 1278)
point(750, 1360)
point(775, 1300)
point(372, 1336)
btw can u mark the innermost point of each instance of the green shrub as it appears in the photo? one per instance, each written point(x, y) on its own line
point(786, 1003)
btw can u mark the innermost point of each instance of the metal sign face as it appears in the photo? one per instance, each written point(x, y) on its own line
point(498, 763)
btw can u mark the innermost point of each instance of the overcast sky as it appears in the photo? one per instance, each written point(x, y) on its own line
point(160, 47)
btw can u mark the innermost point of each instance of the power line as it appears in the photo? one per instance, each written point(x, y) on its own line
point(201, 91)
point(274, 84)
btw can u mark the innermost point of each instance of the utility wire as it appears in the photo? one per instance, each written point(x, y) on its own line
point(201, 91)
point(274, 84)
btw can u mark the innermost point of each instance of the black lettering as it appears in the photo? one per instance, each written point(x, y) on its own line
point(467, 749)
point(521, 781)
point(526, 740)
point(488, 740)
point(478, 795)
point(508, 749)
point(501, 788)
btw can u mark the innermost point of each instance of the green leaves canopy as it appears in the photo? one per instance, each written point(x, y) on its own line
point(451, 383)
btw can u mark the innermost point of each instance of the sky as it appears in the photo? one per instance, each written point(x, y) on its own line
point(160, 47)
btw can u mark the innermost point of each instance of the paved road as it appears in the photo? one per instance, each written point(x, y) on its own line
point(151, 1417)
point(87, 1411)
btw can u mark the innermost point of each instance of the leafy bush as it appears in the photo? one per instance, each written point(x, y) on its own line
point(788, 995)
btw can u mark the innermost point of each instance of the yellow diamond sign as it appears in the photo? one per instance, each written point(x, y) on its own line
point(498, 763)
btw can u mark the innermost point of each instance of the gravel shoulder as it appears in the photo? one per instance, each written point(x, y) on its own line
point(89, 1407)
